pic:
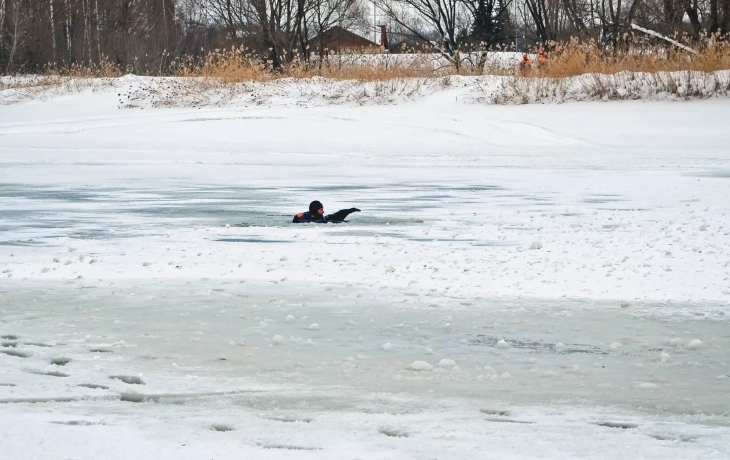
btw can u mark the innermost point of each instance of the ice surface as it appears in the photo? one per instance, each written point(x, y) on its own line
point(155, 298)
point(185, 358)
point(420, 366)
point(151, 330)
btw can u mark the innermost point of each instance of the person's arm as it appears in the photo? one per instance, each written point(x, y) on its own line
point(340, 215)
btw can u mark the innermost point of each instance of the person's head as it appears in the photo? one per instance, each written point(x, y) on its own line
point(524, 56)
point(316, 208)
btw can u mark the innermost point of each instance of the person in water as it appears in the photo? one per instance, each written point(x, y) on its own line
point(316, 214)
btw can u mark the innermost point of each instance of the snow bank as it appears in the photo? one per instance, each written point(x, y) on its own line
point(314, 92)
point(682, 85)
point(158, 92)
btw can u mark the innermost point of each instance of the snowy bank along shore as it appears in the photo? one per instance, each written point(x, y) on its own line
point(141, 92)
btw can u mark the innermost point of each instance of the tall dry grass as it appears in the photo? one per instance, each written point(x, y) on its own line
point(577, 58)
point(582, 71)
point(53, 81)
point(226, 74)
point(239, 65)
point(676, 85)
point(564, 60)
point(236, 74)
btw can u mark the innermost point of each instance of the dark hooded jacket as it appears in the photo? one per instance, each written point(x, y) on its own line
point(313, 216)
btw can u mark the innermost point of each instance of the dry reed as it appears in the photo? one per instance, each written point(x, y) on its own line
point(578, 58)
point(225, 74)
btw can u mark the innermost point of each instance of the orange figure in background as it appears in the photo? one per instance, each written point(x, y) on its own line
point(525, 63)
point(542, 58)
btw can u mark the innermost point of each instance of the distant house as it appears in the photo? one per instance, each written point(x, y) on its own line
point(340, 40)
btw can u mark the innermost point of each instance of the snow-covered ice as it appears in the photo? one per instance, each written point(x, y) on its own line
point(447, 363)
point(419, 366)
point(156, 301)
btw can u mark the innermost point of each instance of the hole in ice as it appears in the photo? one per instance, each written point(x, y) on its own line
point(668, 437)
point(39, 400)
point(129, 379)
point(709, 173)
point(285, 447)
point(292, 419)
point(99, 350)
point(17, 353)
point(10, 344)
point(50, 374)
point(78, 423)
point(38, 344)
point(622, 425)
point(500, 412)
point(602, 199)
point(60, 361)
point(545, 347)
point(393, 432)
point(249, 240)
point(93, 386)
point(137, 398)
point(149, 357)
point(508, 420)
point(625, 209)
point(9, 337)
point(221, 427)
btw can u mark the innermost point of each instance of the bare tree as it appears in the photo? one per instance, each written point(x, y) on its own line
point(425, 18)
point(144, 36)
point(723, 23)
point(581, 17)
point(98, 32)
point(53, 31)
point(229, 14)
point(547, 18)
point(16, 30)
point(2, 20)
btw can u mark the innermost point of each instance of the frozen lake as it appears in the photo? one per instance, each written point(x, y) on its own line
point(553, 273)
point(309, 368)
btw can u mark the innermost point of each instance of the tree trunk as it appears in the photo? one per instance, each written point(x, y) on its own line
point(98, 36)
point(69, 41)
point(229, 20)
point(482, 62)
point(164, 23)
point(724, 27)
point(14, 36)
point(2, 19)
point(86, 46)
point(714, 17)
point(303, 38)
point(691, 9)
point(53, 34)
point(575, 18)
